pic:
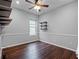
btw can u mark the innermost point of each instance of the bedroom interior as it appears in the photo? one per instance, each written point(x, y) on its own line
point(39, 29)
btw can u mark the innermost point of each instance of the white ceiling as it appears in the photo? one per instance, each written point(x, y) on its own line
point(52, 5)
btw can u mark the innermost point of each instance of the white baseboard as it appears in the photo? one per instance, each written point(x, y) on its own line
point(77, 53)
point(59, 46)
point(41, 41)
point(17, 44)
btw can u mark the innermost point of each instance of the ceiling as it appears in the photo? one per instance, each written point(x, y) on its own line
point(52, 5)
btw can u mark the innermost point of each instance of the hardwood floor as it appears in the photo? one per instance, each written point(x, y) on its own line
point(38, 50)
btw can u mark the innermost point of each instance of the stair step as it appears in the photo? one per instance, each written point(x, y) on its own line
point(5, 22)
point(4, 8)
point(5, 3)
point(5, 13)
point(8, 0)
point(5, 19)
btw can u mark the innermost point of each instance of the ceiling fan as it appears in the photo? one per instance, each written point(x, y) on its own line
point(38, 4)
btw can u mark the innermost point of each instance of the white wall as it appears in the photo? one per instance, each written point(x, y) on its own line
point(62, 26)
point(18, 30)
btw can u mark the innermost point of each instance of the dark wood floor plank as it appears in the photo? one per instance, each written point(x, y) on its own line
point(38, 50)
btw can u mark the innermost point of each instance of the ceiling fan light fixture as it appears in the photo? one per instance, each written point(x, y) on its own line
point(37, 7)
point(17, 2)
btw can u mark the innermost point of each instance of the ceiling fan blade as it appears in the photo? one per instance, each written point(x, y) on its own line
point(36, 1)
point(31, 7)
point(29, 1)
point(44, 5)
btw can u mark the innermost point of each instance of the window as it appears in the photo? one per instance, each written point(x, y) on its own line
point(32, 27)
